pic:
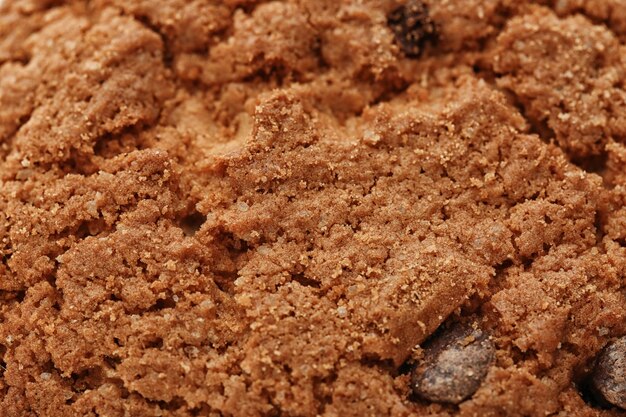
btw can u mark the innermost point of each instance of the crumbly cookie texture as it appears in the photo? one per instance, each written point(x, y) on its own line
point(312, 208)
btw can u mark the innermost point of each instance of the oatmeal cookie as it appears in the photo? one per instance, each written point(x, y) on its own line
point(312, 208)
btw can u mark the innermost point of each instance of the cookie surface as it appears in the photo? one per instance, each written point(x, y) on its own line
point(264, 208)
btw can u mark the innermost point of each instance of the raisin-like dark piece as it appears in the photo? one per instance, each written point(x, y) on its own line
point(454, 365)
point(608, 380)
point(412, 27)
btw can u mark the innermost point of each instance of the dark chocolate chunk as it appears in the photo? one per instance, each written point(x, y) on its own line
point(608, 380)
point(454, 365)
point(412, 26)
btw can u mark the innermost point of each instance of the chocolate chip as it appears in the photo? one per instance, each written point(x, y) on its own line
point(454, 365)
point(412, 26)
point(608, 380)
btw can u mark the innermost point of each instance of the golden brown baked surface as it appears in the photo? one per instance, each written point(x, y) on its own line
point(312, 208)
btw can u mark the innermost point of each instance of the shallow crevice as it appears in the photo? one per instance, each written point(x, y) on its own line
point(225, 281)
point(305, 281)
point(503, 266)
point(599, 226)
point(324, 398)
point(203, 410)
point(536, 126)
point(87, 379)
point(168, 55)
point(89, 228)
point(154, 342)
point(592, 163)
point(163, 303)
point(275, 74)
point(191, 223)
point(172, 405)
point(17, 296)
point(110, 145)
point(3, 364)
point(112, 361)
point(384, 365)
